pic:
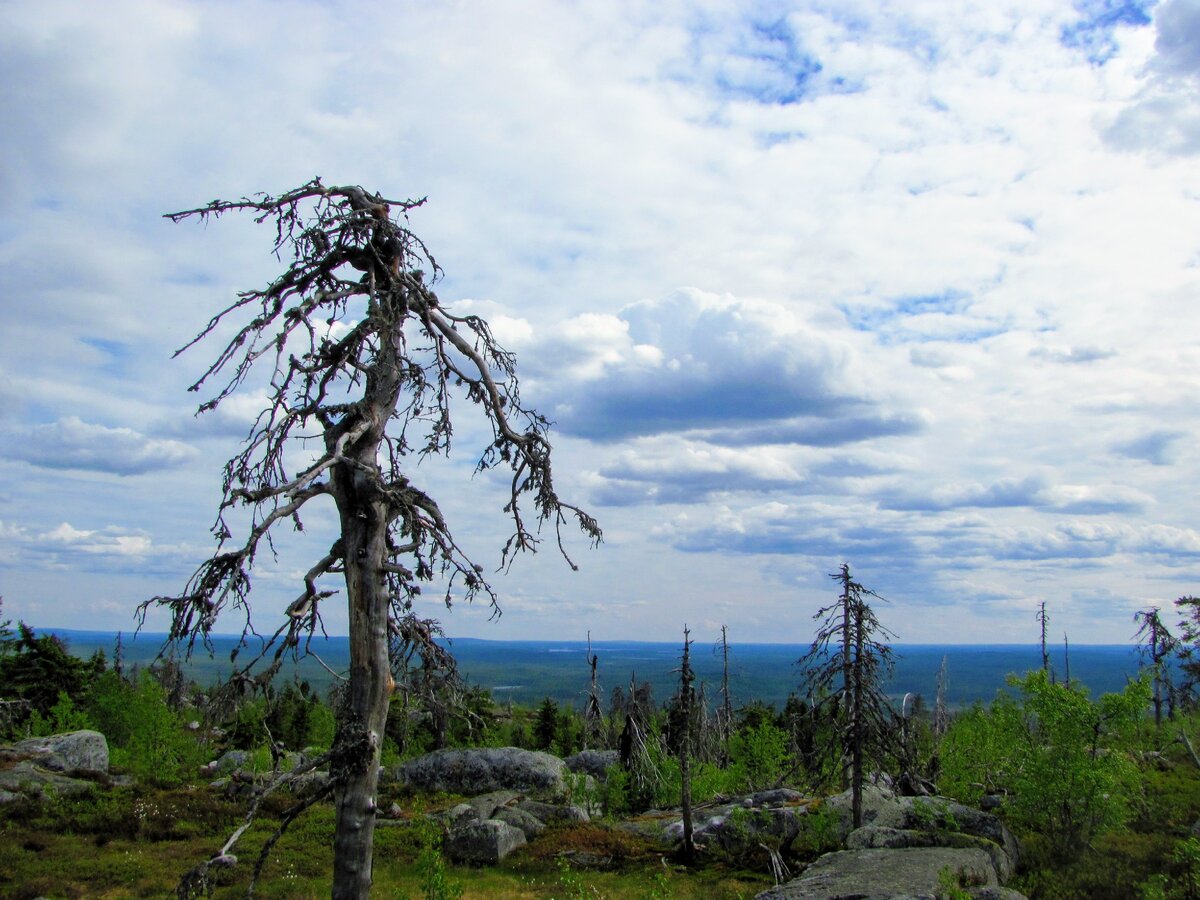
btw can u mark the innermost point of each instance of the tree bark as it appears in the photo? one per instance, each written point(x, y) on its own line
point(363, 719)
point(856, 721)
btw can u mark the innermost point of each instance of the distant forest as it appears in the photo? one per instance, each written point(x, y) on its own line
point(527, 671)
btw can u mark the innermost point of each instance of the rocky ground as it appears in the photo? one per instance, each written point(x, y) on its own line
point(912, 847)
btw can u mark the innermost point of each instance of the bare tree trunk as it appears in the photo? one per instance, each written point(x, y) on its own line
point(856, 721)
point(685, 748)
point(941, 717)
point(1067, 657)
point(726, 700)
point(1045, 620)
point(364, 717)
point(847, 673)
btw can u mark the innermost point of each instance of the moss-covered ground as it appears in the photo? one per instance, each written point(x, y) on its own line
point(138, 842)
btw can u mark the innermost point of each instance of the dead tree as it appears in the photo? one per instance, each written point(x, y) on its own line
point(593, 715)
point(687, 700)
point(1045, 620)
point(1067, 659)
point(1156, 644)
point(846, 650)
point(726, 714)
point(941, 714)
point(362, 360)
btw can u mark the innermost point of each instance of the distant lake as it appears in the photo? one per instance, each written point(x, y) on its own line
point(527, 671)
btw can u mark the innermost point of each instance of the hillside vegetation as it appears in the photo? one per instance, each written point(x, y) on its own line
point(1102, 797)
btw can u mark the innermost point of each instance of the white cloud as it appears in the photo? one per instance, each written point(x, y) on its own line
point(955, 265)
point(71, 443)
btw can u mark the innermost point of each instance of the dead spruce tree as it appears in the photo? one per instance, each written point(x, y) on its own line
point(1156, 645)
point(363, 361)
point(845, 667)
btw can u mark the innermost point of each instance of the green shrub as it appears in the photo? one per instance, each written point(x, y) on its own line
point(1059, 754)
point(156, 746)
point(758, 756)
point(63, 716)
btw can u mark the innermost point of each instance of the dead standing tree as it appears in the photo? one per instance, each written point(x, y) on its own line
point(359, 349)
point(846, 650)
point(1157, 645)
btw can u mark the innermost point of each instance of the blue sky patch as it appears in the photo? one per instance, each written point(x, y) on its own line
point(1094, 31)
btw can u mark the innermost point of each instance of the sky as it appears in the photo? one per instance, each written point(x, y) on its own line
point(911, 286)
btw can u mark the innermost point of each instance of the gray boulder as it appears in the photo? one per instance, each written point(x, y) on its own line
point(483, 843)
point(486, 805)
point(228, 762)
point(530, 825)
point(480, 770)
point(550, 813)
point(913, 874)
point(592, 762)
point(875, 799)
point(28, 778)
point(744, 831)
point(943, 816)
point(74, 751)
point(879, 837)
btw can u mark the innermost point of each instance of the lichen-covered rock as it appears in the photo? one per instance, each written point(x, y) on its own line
point(530, 825)
point(480, 770)
point(29, 778)
point(74, 751)
point(874, 800)
point(879, 837)
point(592, 762)
point(942, 815)
point(914, 874)
point(554, 812)
point(486, 805)
point(228, 762)
point(773, 797)
point(746, 830)
point(483, 843)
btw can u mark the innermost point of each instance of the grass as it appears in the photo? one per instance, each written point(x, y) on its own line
point(139, 841)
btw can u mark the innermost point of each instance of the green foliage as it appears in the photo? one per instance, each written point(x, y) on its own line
point(61, 717)
point(934, 815)
point(247, 729)
point(545, 726)
point(147, 738)
point(1061, 756)
point(39, 669)
point(436, 883)
point(820, 830)
point(321, 727)
point(950, 887)
point(290, 714)
point(758, 756)
point(980, 749)
point(615, 792)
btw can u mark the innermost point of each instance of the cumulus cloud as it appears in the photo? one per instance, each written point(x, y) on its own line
point(682, 471)
point(1164, 117)
point(111, 548)
point(694, 360)
point(930, 254)
point(71, 443)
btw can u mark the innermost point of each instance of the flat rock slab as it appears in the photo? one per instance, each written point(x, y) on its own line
point(911, 874)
